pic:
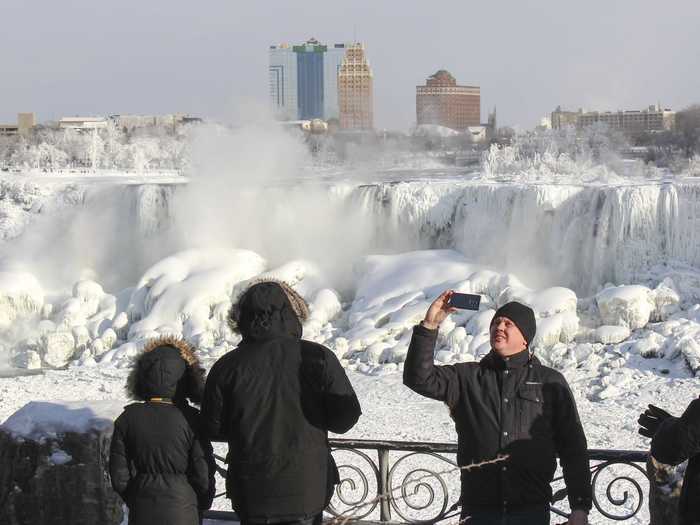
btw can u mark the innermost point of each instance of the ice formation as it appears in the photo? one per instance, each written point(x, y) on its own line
point(609, 263)
point(189, 294)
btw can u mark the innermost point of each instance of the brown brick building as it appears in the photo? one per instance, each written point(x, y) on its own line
point(441, 101)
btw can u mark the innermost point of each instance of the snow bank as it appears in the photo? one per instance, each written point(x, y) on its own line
point(190, 293)
point(39, 419)
point(179, 292)
point(629, 306)
point(434, 130)
point(187, 294)
point(395, 291)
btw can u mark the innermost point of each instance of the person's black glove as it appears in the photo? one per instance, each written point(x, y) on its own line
point(650, 419)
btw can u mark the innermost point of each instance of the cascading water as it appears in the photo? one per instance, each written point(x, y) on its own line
point(575, 236)
point(579, 236)
point(150, 207)
point(111, 230)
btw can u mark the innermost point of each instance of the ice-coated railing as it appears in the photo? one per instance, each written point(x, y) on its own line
point(418, 482)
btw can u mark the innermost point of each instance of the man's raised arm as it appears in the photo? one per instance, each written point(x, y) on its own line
point(420, 373)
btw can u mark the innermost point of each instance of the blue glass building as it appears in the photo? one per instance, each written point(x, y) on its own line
point(310, 81)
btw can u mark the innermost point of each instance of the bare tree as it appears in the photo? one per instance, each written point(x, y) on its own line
point(688, 126)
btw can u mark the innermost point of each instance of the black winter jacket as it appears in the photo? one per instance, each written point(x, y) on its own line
point(159, 464)
point(678, 439)
point(515, 407)
point(273, 400)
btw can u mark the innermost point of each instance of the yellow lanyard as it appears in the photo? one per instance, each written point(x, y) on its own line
point(160, 400)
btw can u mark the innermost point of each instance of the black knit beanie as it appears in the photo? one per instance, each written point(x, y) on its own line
point(522, 316)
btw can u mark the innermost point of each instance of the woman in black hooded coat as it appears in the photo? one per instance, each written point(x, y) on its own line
point(159, 463)
point(273, 400)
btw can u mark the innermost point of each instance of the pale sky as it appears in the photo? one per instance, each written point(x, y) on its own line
point(86, 57)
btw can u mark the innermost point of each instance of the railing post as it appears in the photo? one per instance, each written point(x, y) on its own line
point(384, 490)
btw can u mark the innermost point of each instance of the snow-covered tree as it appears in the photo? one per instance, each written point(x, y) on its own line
point(153, 148)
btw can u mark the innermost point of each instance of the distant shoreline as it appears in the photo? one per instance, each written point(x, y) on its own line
point(96, 175)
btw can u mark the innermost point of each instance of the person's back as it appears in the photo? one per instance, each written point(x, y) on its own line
point(273, 400)
point(158, 463)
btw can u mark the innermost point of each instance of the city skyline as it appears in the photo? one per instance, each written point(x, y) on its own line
point(174, 57)
point(304, 79)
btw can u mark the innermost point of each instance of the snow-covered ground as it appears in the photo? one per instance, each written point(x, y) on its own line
point(90, 269)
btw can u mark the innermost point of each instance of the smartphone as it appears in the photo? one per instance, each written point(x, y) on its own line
point(464, 301)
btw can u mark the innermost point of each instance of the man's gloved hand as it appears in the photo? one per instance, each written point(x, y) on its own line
point(650, 419)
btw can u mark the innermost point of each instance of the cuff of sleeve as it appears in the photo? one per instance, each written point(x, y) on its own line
point(580, 504)
point(422, 330)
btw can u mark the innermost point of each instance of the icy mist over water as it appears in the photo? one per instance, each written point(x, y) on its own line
point(94, 267)
point(253, 188)
point(570, 235)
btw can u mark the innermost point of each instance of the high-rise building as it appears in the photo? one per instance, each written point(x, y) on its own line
point(355, 95)
point(310, 79)
point(304, 80)
point(441, 101)
point(283, 82)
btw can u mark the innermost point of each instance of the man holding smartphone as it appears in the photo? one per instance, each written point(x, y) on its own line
point(507, 404)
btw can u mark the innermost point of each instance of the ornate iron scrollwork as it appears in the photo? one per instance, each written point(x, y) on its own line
point(400, 482)
point(417, 482)
point(355, 491)
point(614, 485)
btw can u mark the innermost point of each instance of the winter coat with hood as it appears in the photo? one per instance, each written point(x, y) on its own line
point(676, 440)
point(159, 463)
point(273, 400)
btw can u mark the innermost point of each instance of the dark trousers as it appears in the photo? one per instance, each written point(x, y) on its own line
point(309, 521)
point(536, 516)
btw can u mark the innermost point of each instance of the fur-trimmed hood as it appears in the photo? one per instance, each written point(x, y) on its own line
point(169, 368)
point(268, 308)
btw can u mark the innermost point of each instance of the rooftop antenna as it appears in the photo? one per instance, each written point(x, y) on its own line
point(354, 33)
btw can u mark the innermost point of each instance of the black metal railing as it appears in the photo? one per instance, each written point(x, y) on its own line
point(418, 482)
